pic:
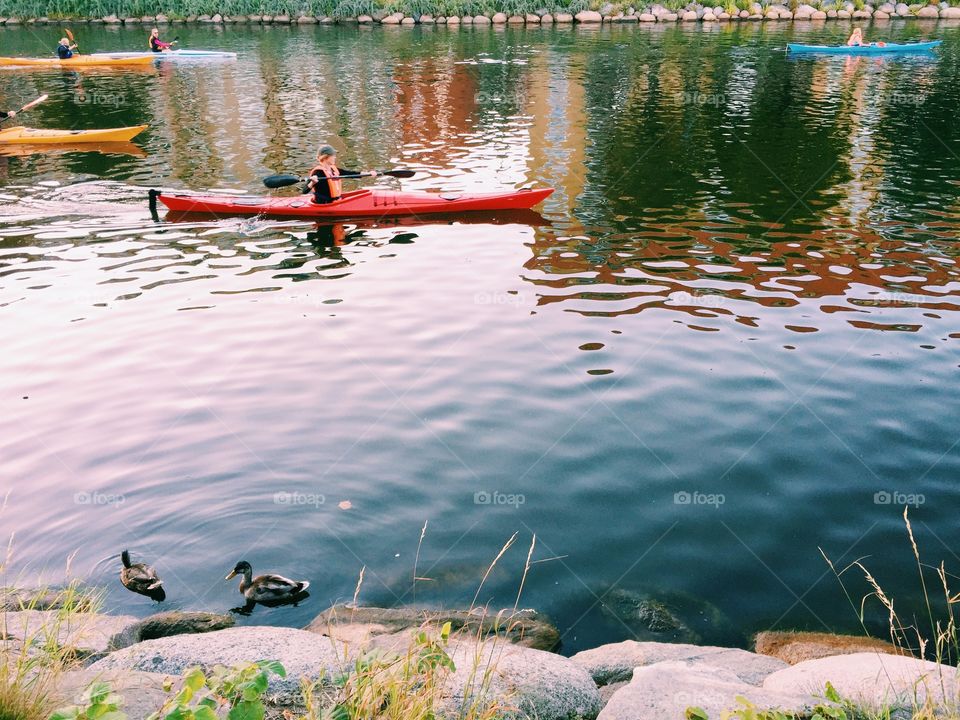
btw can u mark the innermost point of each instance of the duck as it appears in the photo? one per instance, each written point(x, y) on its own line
point(141, 578)
point(269, 590)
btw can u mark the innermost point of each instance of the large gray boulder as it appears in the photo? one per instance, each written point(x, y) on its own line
point(166, 624)
point(665, 690)
point(538, 684)
point(84, 634)
point(393, 628)
point(872, 679)
point(617, 661)
point(303, 654)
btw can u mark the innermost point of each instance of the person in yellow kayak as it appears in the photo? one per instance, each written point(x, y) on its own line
point(7, 115)
point(323, 182)
point(65, 49)
point(156, 44)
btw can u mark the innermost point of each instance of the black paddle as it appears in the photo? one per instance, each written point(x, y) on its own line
point(279, 181)
point(26, 107)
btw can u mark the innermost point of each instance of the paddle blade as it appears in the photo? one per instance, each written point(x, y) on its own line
point(33, 104)
point(400, 173)
point(279, 181)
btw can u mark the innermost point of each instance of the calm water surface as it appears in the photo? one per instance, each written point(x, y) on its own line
point(730, 338)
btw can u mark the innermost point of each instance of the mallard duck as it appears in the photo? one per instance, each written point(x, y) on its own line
point(141, 578)
point(269, 590)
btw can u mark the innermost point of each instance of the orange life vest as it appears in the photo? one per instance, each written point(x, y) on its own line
point(336, 186)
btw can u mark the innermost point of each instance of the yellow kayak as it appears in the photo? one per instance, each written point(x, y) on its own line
point(29, 136)
point(77, 61)
point(107, 148)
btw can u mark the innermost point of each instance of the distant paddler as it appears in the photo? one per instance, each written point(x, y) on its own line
point(156, 44)
point(323, 181)
point(65, 49)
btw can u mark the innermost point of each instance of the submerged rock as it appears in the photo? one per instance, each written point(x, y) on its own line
point(394, 627)
point(670, 617)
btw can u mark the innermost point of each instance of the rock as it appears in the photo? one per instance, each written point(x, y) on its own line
point(667, 17)
point(843, 14)
point(608, 691)
point(166, 624)
point(607, 9)
point(563, 18)
point(453, 20)
point(872, 679)
point(771, 14)
point(427, 20)
point(539, 684)
point(302, 653)
point(723, 16)
point(888, 8)
point(307, 20)
point(744, 14)
point(255, 18)
point(902, 9)
point(517, 20)
point(880, 15)
point(819, 15)
point(408, 21)
point(393, 627)
point(86, 634)
point(108, 20)
point(803, 12)
point(950, 13)
point(390, 20)
point(46, 598)
point(201, 18)
point(708, 16)
point(147, 19)
point(281, 19)
point(142, 692)
point(588, 16)
point(364, 19)
point(131, 21)
point(670, 617)
point(546, 19)
point(647, 17)
point(499, 18)
point(831, 13)
point(616, 662)
point(532, 18)
point(929, 11)
point(667, 689)
point(689, 16)
point(861, 15)
point(481, 20)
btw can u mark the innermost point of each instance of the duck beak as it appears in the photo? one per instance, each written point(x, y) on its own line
point(232, 575)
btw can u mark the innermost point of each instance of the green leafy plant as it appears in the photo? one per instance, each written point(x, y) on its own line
point(240, 689)
point(99, 702)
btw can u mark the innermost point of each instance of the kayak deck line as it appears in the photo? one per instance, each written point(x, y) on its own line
point(359, 203)
point(171, 55)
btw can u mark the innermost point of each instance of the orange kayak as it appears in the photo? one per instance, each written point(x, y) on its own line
point(76, 61)
point(31, 136)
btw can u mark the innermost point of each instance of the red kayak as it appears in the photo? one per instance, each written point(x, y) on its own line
point(360, 203)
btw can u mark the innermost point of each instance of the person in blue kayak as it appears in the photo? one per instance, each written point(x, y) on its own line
point(323, 182)
point(856, 38)
point(65, 49)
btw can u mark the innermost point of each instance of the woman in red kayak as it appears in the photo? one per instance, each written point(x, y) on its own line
point(323, 182)
point(156, 44)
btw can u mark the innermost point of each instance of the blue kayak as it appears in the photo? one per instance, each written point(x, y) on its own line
point(874, 49)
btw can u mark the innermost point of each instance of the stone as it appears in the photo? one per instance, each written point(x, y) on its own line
point(771, 14)
point(131, 21)
point(302, 653)
point(546, 19)
point(481, 20)
point(843, 14)
point(563, 18)
point(629, 19)
point(670, 617)
point(109, 20)
point(147, 19)
point(709, 16)
point(86, 634)
point(453, 20)
point(390, 20)
point(723, 16)
point(950, 13)
point(364, 19)
point(744, 14)
point(902, 9)
point(281, 19)
point(819, 15)
point(588, 16)
point(647, 17)
point(201, 18)
point(255, 18)
point(888, 8)
point(394, 627)
point(166, 624)
point(516, 20)
point(532, 18)
point(667, 689)
point(928, 11)
point(668, 17)
point(607, 9)
point(872, 679)
point(408, 21)
point(538, 684)
point(499, 18)
point(689, 16)
point(831, 13)
point(45, 598)
point(881, 15)
point(615, 662)
point(307, 20)
point(142, 692)
point(427, 20)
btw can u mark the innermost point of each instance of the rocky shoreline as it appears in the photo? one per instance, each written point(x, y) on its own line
point(629, 680)
point(693, 12)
